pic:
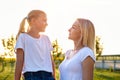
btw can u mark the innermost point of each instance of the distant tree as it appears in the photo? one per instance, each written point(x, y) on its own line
point(8, 45)
point(57, 53)
point(99, 47)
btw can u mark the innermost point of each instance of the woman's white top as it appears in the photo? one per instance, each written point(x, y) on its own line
point(71, 69)
point(37, 52)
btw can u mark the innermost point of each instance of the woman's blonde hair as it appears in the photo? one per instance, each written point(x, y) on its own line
point(88, 32)
point(32, 14)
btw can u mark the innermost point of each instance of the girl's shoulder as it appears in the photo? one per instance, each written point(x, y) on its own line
point(44, 35)
point(21, 35)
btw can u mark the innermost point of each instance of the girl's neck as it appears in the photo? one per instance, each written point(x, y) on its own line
point(33, 34)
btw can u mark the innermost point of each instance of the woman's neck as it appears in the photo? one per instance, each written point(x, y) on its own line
point(77, 46)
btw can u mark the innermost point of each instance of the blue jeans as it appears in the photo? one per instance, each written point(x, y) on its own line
point(39, 75)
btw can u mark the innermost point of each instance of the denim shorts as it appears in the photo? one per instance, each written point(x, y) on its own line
point(39, 75)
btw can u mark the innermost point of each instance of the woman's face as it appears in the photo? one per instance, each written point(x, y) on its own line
point(75, 32)
point(41, 23)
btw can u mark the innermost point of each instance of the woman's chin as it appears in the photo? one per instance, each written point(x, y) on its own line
point(69, 38)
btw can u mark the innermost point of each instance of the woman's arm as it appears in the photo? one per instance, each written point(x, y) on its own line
point(88, 68)
point(19, 64)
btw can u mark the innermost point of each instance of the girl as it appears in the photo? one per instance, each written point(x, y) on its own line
point(33, 58)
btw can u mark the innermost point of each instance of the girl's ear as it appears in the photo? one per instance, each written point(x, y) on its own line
point(33, 20)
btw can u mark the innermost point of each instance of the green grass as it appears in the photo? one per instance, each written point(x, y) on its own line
point(99, 74)
point(106, 75)
point(8, 73)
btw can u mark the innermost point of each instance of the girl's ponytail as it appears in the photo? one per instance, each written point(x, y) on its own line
point(22, 27)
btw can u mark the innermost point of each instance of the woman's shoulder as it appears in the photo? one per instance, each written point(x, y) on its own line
point(68, 51)
point(86, 49)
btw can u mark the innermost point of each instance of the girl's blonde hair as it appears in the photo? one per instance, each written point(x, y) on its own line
point(32, 14)
point(88, 33)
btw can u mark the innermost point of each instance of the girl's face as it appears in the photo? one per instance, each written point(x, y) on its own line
point(41, 23)
point(75, 32)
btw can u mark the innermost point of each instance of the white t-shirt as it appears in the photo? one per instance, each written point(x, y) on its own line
point(71, 69)
point(36, 52)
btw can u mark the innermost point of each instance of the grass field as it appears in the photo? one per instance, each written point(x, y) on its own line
point(8, 72)
point(106, 75)
point(99, 74)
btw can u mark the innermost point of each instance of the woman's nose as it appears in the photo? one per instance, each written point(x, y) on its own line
point(69, 29)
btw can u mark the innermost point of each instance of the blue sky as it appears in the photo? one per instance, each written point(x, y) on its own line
point(61, 14)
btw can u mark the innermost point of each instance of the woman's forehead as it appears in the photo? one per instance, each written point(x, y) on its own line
point(76, 23)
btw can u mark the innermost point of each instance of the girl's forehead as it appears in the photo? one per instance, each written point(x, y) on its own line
point(42, 17)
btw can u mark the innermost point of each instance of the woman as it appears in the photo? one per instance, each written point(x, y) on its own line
point(79, 62)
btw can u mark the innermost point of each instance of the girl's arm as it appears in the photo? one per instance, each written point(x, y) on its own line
point(19, 64)
point(88, 68)
point(53, 65)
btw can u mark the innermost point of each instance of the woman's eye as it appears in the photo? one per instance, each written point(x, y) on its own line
point(73, 27)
